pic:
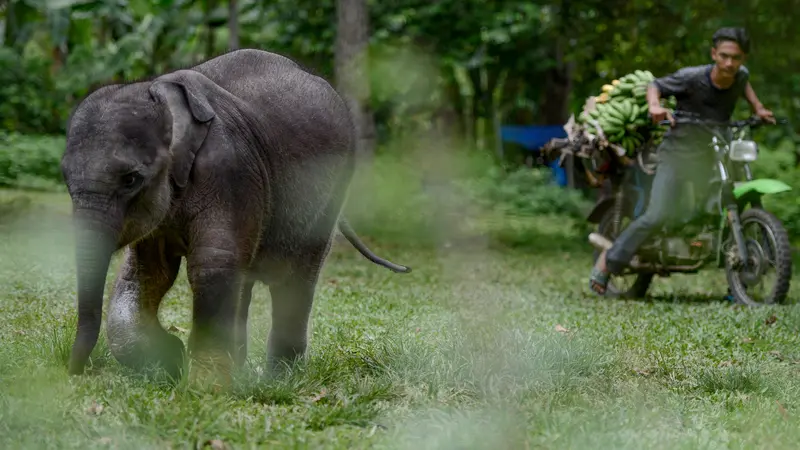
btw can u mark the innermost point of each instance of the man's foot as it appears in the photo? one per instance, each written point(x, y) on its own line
point(729, 297)
point(598, 280)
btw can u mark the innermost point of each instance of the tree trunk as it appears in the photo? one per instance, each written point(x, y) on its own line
point(557, 88)
point(233, 25)
point(10, 32)
point(475, 107)
point(451, 110)
point(491, 128)
point(210, 37)
point(59, 55)
point(351, 72)
point(558, 80)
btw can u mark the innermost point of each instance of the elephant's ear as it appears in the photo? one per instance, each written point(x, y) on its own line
point(187, 114)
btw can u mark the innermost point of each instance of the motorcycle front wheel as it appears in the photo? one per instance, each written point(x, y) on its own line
point(769, 252)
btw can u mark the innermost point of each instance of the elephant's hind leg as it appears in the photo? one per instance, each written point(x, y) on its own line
point(135, 335)
point(291, 306)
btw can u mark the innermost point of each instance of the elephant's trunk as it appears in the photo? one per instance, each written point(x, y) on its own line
point(95, 244)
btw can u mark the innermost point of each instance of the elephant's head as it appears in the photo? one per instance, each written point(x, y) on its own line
point(128, 147)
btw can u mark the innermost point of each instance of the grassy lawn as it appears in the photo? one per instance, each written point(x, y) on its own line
point(477, 348)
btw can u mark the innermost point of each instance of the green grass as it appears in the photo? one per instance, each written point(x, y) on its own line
point(478, 348)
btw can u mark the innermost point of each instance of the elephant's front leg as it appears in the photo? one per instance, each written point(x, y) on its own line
point(135, 335)
point(216, 280)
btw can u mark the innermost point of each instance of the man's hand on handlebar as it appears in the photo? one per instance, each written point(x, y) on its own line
point(765, 114)
point(659, 113)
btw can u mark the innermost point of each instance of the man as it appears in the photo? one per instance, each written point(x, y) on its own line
point(709, 91)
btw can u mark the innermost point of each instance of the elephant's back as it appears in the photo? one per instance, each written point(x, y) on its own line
point(283, 94)
point(248, 64)
point(258, 75)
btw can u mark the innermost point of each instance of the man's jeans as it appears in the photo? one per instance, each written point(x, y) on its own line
point(668, 203)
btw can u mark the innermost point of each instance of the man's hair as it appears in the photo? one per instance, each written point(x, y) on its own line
point(738, 35)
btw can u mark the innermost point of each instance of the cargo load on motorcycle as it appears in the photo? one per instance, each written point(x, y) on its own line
point(613, 127)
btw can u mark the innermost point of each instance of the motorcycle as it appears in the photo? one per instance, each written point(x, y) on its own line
point(714, 234)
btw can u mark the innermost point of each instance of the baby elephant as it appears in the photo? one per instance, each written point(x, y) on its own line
point(241, 165)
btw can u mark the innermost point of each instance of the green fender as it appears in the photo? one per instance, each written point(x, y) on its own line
point(763, 186)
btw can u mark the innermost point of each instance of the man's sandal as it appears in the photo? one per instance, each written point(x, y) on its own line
point(597, 279)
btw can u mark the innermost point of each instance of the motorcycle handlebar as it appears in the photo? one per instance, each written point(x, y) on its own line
point(753, 122)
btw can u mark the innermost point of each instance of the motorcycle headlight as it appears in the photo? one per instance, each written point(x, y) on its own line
point(744, 151)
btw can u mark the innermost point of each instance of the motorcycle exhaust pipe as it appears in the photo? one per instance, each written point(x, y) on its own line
point(599, 241)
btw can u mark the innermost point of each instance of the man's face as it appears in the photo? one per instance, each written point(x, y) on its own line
point(728, 56)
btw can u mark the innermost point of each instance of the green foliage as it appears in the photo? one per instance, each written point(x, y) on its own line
point(410, 201)
point(524, 208)
point(528, 192)
point(390, 204)
point(779, 164)
point(31, 162)
point(480, 58)
point(29, 99)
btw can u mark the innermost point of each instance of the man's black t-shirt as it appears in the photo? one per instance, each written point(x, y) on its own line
point(697, 95)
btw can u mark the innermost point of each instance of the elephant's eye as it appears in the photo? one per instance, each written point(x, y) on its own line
point(131, 180)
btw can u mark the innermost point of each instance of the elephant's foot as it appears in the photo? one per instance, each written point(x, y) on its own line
point(211, 370)
point(212, 354)
point(145, 351)
point(284, 353)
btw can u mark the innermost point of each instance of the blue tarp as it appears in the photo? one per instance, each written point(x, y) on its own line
point(533, 138)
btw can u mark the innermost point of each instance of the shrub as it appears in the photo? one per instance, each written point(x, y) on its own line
point(527, 192)
point(31, 162)
point(779, 164)
point(30, 101)
point(391, 201)
point(405, 200)
point(525, 209)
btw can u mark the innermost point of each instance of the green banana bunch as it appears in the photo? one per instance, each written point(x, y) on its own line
point(622, 113)
point(633, 84)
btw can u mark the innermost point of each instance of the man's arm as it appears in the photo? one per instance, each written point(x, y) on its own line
point(653, 95)
point(752, 98)
point(675, 84)
point(755, 105)
point(657, 112)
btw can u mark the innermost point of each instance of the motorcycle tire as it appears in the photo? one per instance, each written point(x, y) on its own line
point(783, 260)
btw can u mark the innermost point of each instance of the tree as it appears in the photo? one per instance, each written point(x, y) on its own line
point(352, 79)
point(233, 25)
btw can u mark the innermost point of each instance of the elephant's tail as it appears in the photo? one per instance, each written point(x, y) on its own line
point(353, 238)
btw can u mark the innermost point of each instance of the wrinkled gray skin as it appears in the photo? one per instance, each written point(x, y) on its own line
point(241, 165)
